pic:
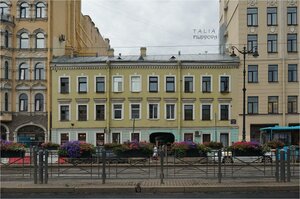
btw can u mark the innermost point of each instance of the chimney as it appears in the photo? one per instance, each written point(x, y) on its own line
point(143, 51)
point(110, 52)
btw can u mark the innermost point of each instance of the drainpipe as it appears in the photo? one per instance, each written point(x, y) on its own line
point(179, 116)
point(108, 101)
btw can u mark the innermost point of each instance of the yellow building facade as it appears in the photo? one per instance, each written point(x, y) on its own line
point(146, 98)
point(32, 32)
point(272, 79)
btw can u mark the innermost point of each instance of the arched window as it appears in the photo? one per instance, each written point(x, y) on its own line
point(40, 40)
point(24, 10)
point(3, 8)
point(24, 40)
point(39, 72)
point(23, 71)
point(40, 10)
point(6, 37)
point(6, 102)
point(6, 70)
point(39, 102)
point(23, 102)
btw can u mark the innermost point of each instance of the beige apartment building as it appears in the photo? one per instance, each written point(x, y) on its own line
point(32, 33)
point(272, 80)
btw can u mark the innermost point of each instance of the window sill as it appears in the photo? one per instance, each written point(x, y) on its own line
point(253, 82)
point(293, 52)
point(206, 91)
point(273, 82)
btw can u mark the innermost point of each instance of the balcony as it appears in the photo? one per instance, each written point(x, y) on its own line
point(7, 18)
point(5, 116)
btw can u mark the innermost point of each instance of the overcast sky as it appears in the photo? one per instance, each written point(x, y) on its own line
point(163, 26)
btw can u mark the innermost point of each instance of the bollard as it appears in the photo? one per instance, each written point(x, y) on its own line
point(219, 165)
point(282, 166)
point(35, 165)
point(46, 166)
point(162, 154)
point(288, 165)
point(277, 165)
point(103, 166)
point(41, 156)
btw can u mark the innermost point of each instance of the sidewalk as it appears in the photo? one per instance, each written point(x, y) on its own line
point(147, 186)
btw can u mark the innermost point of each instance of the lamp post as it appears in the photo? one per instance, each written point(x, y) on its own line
point(244, 52)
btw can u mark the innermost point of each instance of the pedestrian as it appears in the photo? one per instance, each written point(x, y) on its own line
point(155, 153)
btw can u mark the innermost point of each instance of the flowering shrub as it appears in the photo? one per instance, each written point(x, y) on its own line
point(134, 148)
point(11, 146)
point(274, 144)
point(246, 148)
point(203, 148)
point(75, 149)
point(49, 145)
point(189, 149)
point(214, 145)
point(110, 146)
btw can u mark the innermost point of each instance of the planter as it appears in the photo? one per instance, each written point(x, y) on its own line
point(133, 153)
point(190, 153)
point(84, 154)
point(10, 154)
point(247, 153)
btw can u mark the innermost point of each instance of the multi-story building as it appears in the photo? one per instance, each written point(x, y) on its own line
point(146, 98)
point(32, 32)
point(272, 79)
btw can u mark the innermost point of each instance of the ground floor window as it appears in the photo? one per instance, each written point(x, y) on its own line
point(100, 139)
point(64, 137)
point(116, 138)
point(224, 139)
point(82, 137)
point(188, 137)
point(206, 138)
point(135, 137)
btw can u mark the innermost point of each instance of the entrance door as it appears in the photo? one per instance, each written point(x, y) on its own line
point(162, 138)
point(224, 138)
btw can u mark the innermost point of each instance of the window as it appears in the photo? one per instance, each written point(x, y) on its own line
point(82, 84)
point(24, 10)
point(272, 43)
point(292, 15)
point(292, 73)
point(206, 138)
point(170, 111)
point(117, 111)
point(292, 104)
point(153, 111)
point(24, 40)
point(253, 73)
point(188, 137)
point(40, 40)
point(206, 112)
point(272, 16)
point(39, 72)
point(170, 84)
point(188, 84)
point(135, 111)
point(40, 10)
point(39, 102)
point(224, 112)
point(3, 8)
point(135, 84)
point(153, 84)
point(135, 137)
point(292, 42)
point(253, 105)
point(100, 112)
point(6, 39)
point(224, 84)
point(6, 102)
point(82, 112)
point(117, 84)
point(116, 138)
point(100, 84)
point(6, 70)
point(23, 72)
point(23, 102)
point(272, 104)
point(82, 137)
point(64, 137)
point(252, 43)
point(64, 85)
point(64, 113)
point(206, 84)
point(100, 139)
point(188, 112)
point(273, 73)
point(252, 17)
point(224, 139)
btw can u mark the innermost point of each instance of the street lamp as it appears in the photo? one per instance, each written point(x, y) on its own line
point(244, 52)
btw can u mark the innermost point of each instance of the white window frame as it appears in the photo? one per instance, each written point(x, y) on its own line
point(183, 83)
point(175, 110)
point(87, 112)
point(183, 111)
point(165, 87)
point(139, 82)
point(189, 133)
point(229, 83)
point(95, 112)
point(95, 138)
point(211, 82)
point(210, 136)
point(59, 136)
point(229, 137)
point(59, 110)
point(87, 83)
point(113, 112)
point(140, 111)
point(59, 86)
point(86, 136)
point(138, 132)
point(95, 83)
point(229, 111)
point(148, 83)
point(113, 85)
point(121, 138)
point(148, 111)
point(211, 111)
